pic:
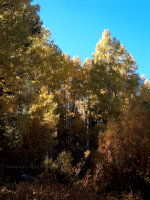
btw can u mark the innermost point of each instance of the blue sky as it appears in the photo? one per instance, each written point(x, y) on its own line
point(77, 26)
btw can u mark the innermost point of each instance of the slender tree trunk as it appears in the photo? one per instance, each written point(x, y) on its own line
point(123, 91)
point(130, 97)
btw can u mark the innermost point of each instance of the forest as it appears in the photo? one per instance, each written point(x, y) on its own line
point(69, 130)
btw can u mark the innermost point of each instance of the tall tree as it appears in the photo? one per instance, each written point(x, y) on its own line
point(20, 23)
point(112, 76)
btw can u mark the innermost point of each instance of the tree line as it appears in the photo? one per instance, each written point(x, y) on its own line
point(83, 126)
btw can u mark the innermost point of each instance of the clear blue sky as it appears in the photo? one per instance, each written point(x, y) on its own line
point(77, 26)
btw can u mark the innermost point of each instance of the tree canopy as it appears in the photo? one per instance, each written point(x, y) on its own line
point(86, 126)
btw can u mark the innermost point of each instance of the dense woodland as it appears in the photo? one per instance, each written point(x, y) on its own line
point(69, 130)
